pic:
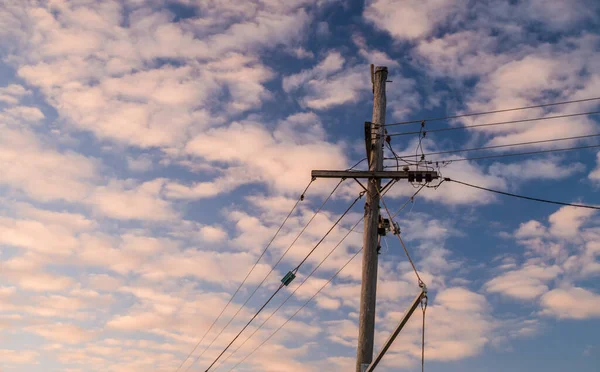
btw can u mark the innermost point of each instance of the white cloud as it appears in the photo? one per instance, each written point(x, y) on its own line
point(409, 19)
point(571, 303)
point(326, 85)
point(531, 229)
point(260, 151)
point(373, 56)
point(41, 172)
point(526, 283)
point(12, 94)
point(19, 356)
point(141, 163)
point(127, 201)
point(61, 332)
point(102, 77)
point(535, 169)
point(567, 221)
point(213, 233)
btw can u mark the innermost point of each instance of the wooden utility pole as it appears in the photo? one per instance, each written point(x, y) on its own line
point(375, 137)
point(368, 293)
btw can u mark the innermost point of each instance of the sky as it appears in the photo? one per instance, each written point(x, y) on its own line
point(150, 149)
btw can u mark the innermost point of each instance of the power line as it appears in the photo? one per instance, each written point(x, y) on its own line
point(301, 198)
point(299, 309)
point(503, 146)
point(319, 291)
point(492, 112)
point(291, 275)
point(295, 290)
point(496, 123)
point(357, 164)
point(448, 161)
point(524, 197)
point(270, 271)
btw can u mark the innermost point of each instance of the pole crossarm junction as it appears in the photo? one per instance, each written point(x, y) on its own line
point(413, 306)
point(417, 175)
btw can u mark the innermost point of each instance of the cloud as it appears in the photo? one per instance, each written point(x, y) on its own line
point(50, 238)
point(409, 19)
point(373, 56)
point(571, 303)
point(140, 164)
point(19, 356)
point(567, 221)
point(531, 229)
point(259, 151)
point(12, 94)
point(41, 172)
point(326, 85)
point(535, 169)
point(213, 233)
point(463, 328)
point(127, 201)
point(526, 283)
point(64, 333)
point(124, 83)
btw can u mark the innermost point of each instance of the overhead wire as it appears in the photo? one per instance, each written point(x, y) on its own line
point(299, 309)
point(270, 271)
point(357, 164)
point(523, 196)
point(301, 198)
point(484, 157)
point(506, 145)
point(296, 289)
point(410, 200)
point(294, 271)
point(446, 129)
point(493, 112)
point(324, 285)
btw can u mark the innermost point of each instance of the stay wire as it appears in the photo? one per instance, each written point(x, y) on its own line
point(493, 112)
point(507, 145)
point(270, 271)
point(447, 129)
point(301, 198)
point(525, 197)
point(319, 291)
point(296, 289)
point(397, 233)
point(423, 308)
point(295, 270)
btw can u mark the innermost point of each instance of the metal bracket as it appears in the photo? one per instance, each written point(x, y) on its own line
point(394, 334)
point(361, 185)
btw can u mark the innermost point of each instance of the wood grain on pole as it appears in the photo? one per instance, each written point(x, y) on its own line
point(368, 295)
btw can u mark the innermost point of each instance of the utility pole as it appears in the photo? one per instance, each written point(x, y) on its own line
point(375, 137)
point(368, 292)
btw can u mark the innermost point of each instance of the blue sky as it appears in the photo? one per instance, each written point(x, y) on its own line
point(150, 149)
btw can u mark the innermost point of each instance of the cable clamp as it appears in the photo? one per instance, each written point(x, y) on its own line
point(288, 278)
point(396, 228)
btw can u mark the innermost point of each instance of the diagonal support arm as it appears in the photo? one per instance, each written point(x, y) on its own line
point(394, 334)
